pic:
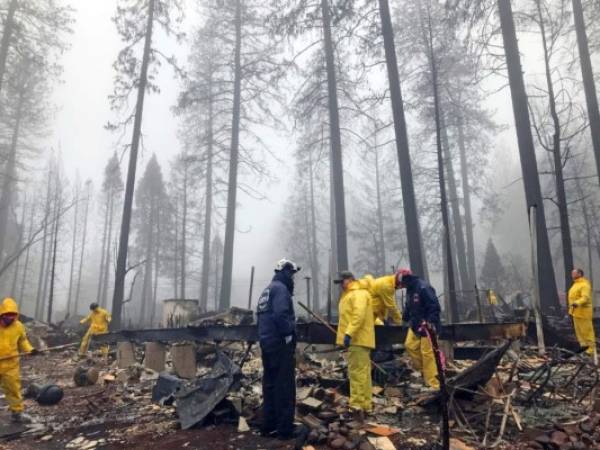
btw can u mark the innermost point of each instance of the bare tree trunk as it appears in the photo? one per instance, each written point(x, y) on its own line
point(183, 231)
point(314, 264)
point(24, 277)
point(9, 25)
point(39, 294)
point(176, 257)
point(561, 196)
point(10, 174)
point(48, 272)
point(464, 170)
point(108, 259)
point(411, 218)
point(83, 242)
point(587, 74)
point(147, 286)
point(156, 270)
point(217, 281)
point(225, 298)
point(119, 291)
point(13, 289)
point(206, 238)
point(444, 199)
point(588, 229)
point(53, 270)
point(73, 249)
point(104, 245)
point(531, 181)
point(381, 236)
point(336, 143)
point(459, 237)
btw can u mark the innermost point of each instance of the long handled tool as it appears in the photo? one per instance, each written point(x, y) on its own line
point(49, 349)
point(333, 330)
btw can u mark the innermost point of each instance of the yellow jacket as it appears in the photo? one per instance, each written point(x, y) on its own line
point(356, 316)
point(13, 338)
point(383, 292)
point(580, 294)
point(99, 318)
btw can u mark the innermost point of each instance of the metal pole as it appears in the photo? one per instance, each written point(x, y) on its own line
point(536, 288)
point(251, 288)
point(307, 291)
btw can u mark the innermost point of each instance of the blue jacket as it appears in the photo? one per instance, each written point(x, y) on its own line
point(421, 304)
point(275, 313)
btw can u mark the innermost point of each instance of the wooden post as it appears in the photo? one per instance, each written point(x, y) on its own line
point(308, 291)
point(251, 288)
point(537, 309)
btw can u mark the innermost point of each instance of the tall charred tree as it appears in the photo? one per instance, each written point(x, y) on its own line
point(531, 181)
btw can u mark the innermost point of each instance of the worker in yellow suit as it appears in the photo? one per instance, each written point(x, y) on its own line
point(99, 319)
point(356, 332)
point(383, 293)
point(581, 309)
point(13, 341)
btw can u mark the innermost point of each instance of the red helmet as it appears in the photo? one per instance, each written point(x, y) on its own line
point(400, 274)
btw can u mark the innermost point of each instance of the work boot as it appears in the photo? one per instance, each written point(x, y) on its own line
point(19, 417)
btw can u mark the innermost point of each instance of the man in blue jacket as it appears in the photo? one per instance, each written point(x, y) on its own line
point(421, 306)
point(277, 336)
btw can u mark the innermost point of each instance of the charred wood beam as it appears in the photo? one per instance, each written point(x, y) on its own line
point(313, 333)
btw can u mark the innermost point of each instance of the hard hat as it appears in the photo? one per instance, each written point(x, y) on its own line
point(284, 262)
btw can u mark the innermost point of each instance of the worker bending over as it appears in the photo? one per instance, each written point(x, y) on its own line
point(383, 293)
point(356, 332)
point(421, 306)
point(99, 319)
point(581, 309)
point(13, 341)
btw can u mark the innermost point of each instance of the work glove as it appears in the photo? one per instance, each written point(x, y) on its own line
point(34, 352)
point(347, 340)
point(288, 339)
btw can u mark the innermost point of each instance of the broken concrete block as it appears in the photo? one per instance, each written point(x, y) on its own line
point(243, 425)
point(184, 360)
point(154, 356)
point(125, 355)
point(312, 403)
point(382, 443)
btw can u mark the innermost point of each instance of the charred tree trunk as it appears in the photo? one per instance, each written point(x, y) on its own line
point(561, 196)
point(531, 181)
point(453, 306)
point(9, 26)
point(336, 142)
point(39, 294)
point(53, 271)
point(73, 249)
point(24, 277)
point(380, 234)
point(587, 74)
point(464, 171)
point(225, 298)
point(107, 257)
point(314, 264)
point(83, 242)
point(183, 231)
point(156, 270)
point(13, 289)
point(147, 286)
point(459, 237)
point(176, 257)
point(206, 238)
point(411, 218)
point(10, 174)
point(121, 271)
point(104, 245)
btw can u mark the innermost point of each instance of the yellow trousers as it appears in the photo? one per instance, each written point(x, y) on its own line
point(421, 353)
point(359, 372)
point(85, 343)
point(10, 382)
point(584, 330)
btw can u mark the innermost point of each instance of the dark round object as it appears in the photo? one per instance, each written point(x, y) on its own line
point(50, 394)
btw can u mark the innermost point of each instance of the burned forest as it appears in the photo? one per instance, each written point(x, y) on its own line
point(293, 224)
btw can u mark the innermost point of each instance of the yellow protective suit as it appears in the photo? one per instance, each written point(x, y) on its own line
point(99, 319)
point(13, 340)
point(357, 321)
point(383, 292)
point(581, 309)
point(421, 354)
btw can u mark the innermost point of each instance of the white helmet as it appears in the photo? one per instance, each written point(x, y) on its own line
point(284, 262)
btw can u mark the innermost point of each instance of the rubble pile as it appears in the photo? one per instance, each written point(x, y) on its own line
point(577, 435)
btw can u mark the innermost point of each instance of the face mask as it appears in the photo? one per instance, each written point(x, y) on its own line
point(7, 320)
